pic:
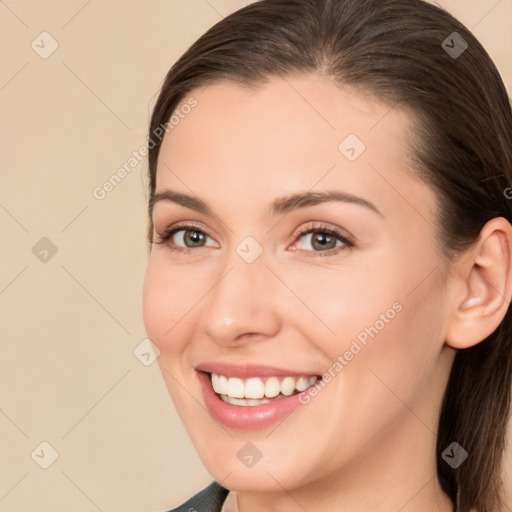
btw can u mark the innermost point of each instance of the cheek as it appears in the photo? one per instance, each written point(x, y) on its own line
point(401, 349)
point(387, 317)
point(337, 305)
point(169, 295)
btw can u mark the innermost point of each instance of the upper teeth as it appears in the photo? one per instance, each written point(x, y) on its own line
point(256, 387)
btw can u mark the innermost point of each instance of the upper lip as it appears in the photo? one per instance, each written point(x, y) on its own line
point(245, 370)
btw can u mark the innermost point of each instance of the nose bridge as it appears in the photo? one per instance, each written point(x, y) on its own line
point(241, 299)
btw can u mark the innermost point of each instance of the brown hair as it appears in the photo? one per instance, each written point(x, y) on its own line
point(402, 52)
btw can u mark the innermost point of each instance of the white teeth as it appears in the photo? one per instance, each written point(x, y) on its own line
point(272, 387)
point(255, 390)
point(235, 388)
point(220, 384)
point(288, 386)
point(302, 383)
point(215, 382)
point(242, 401)
point(223, 385)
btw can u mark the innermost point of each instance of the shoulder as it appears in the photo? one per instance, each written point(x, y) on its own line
point(209, 499)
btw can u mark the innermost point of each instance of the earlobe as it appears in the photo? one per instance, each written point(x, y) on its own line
point(486, 278)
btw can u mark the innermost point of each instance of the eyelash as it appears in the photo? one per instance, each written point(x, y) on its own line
point(165, 237)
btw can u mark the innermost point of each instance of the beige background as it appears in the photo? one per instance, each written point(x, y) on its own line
point(68, 374)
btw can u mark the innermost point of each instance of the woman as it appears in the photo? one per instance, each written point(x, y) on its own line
point(330, 269)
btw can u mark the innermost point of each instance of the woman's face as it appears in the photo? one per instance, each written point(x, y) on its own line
point(268, 291)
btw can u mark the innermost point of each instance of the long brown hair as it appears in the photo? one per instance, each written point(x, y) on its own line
point(403, 52)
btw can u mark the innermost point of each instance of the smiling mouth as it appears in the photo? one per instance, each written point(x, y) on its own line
point(255, 391)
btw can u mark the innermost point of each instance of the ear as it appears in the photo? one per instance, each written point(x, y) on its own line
point(484, 286)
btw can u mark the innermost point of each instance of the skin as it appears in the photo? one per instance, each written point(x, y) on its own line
point(366, 442)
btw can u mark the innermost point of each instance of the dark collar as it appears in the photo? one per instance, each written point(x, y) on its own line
point(209, 499)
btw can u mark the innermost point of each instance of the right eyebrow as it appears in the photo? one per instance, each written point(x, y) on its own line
point(194, 203)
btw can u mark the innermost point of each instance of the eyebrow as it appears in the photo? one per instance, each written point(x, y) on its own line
point(281, 205)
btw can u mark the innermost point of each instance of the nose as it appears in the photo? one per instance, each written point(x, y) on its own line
point(242, 304)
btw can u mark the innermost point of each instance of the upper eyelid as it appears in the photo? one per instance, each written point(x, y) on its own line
point(192, 224)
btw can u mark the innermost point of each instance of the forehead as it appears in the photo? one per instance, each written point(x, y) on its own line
point(290, 134)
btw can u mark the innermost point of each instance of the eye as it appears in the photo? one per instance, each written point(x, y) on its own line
point(325, 241)
point(183, 238)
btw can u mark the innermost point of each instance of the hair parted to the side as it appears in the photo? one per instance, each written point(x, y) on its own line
point(462, 147)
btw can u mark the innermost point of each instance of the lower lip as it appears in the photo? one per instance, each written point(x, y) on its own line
point(250, 417)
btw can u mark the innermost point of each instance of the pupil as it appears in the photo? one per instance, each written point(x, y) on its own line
point(194, 237)
point(323, 239)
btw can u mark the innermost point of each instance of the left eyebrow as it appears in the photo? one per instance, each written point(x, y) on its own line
point(286, 204)
point(282, 205)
